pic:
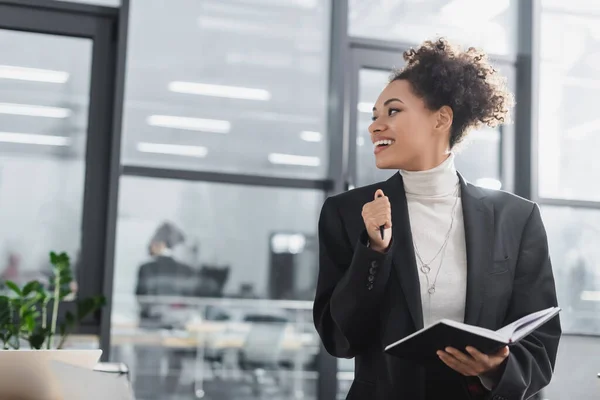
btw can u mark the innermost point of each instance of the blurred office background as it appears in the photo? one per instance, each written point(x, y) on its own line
point(180, 151)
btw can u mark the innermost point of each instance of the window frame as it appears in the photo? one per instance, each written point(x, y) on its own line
point(98, 24)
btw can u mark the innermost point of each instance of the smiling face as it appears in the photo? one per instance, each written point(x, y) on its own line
point(405, 133)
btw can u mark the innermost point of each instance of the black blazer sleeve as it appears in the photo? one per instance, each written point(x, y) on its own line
point(350, 287)
point(530, 363)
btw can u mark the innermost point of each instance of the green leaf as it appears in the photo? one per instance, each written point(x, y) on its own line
point(63, 293)
point(14, 287)
point(41, 298)
point(29, 305)
point(29, 322)
point(15, 303)
point(31, 287)
point(53, 258)
point(89, 305)
point(37, 339)
point(5, 312)
point(41, 291)
point(4, 303)
point(59, 261)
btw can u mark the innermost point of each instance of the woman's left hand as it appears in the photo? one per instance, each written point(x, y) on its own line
point(475, 363)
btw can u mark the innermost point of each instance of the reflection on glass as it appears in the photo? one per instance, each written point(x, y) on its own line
point(573, 236)
point(44, 89)
point(252, 101)
point(478, 156)
point(568, 125)
point(213, 289)
point(490, 25)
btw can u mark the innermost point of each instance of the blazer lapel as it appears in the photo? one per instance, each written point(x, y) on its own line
point(404, 261)
point(479, 234)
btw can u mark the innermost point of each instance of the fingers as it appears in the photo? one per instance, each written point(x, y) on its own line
point(477, 355)
point(468, 365)
point(455, 364)
point(503, 352)
point(459, 355)
point(498, 358)
point(376, 218)
point(474, 363)
point(492, 359)
point(378, 213)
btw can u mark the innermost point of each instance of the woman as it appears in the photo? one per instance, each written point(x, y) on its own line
point(449, 249)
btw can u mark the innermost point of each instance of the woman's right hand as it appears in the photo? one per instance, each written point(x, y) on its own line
point(375, 214)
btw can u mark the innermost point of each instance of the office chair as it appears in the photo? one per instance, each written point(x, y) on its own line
point(261, 354)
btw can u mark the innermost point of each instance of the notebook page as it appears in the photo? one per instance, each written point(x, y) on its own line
point(509, 330)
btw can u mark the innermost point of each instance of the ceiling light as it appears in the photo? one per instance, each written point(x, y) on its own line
point(231, 92)
point(365, 107)
point(33, 74)
point(280, 117)
point(29, 138)
point(489, 183)
point(290, 159)
point(310, 136)
point(172, 149)
point(192, 124)
point(34, 110)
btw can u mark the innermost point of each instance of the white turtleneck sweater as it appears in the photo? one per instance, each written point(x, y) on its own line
point(431, 196)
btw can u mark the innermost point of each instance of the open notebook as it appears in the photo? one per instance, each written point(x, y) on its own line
point(423, 344)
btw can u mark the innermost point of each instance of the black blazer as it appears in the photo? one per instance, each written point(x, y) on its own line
point(366, 300)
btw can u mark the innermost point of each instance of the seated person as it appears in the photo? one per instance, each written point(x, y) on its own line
point(164, 276)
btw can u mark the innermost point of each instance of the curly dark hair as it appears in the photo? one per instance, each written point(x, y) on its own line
point(444, 75)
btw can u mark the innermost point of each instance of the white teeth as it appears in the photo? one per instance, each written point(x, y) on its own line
point(383, 142)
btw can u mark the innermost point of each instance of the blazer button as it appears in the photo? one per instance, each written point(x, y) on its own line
point(371, 278)
point(373, 270)
point(374, 264)
point(370, 286)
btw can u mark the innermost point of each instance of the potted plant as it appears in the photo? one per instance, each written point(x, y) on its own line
point(29, 314)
